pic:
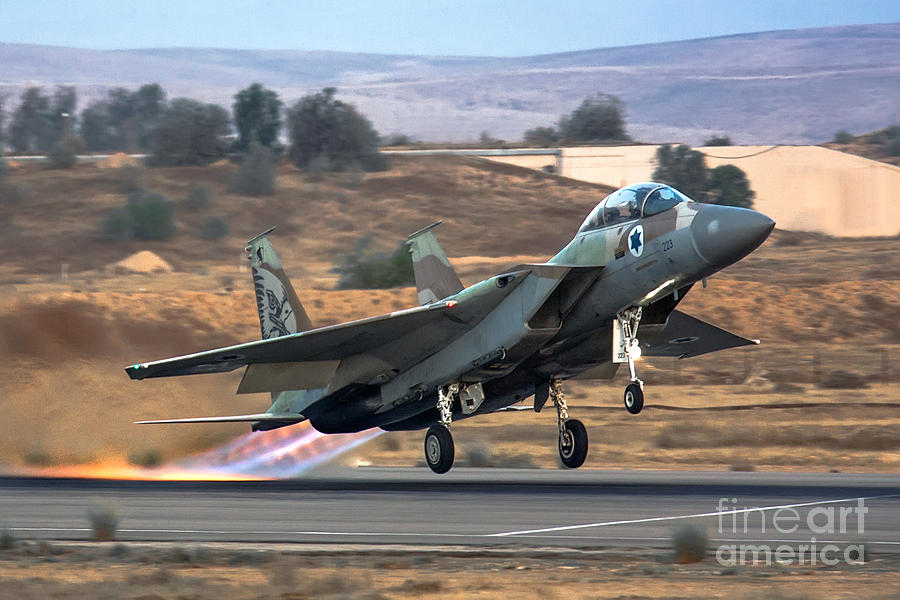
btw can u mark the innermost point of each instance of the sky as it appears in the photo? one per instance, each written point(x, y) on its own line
point(435, 27)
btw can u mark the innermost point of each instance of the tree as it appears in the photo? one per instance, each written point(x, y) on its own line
point(256, 177)
point(685, 170)
point(125, 120)
point(31, 124)
point(843, 137)
point(257, 116)
point(541, 136)
point(598, 119)
point(728, 185)
point(718, 140)
point(319, 125)
point(190, 133)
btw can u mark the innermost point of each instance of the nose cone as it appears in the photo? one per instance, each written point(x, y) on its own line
point(724, 234)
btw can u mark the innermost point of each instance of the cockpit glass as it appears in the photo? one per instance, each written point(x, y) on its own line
point(659, 200)
point(632, 202)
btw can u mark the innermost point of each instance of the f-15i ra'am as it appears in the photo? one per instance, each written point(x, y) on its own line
point(471, 351)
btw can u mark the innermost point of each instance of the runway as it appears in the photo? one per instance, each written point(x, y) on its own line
point(472, 507)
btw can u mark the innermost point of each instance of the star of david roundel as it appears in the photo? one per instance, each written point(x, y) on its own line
point(636, 241)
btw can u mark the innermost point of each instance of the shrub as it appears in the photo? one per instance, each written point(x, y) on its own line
point(353, 177)
point(61, 156)
point(199, 196)
point(689, 544)
point(104, 519)
point(146, 216)
point(127, 179)
point(376, 161)
point(843, 137)
point(378, 271)
point(256, 176)
point(718, 140)
point(4, 168)
point(116, 225)
point(214, 228)
point(147, 458)
point(843, 380)
point(893, 147)
point(152, 216)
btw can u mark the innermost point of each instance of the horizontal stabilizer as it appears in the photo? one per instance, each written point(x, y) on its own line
point(263, 417)
point(685, 336)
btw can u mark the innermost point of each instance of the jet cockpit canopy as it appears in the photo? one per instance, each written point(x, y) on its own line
point(633, 202)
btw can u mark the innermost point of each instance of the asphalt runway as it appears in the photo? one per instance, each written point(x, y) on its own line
point(472, 507)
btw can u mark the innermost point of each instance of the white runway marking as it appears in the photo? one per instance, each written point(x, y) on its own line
point(681, 517)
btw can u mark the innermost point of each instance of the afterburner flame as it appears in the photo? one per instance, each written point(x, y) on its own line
point(278, 454)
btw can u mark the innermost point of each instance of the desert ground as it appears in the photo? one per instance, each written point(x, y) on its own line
point(818, 394)
point(70, 570)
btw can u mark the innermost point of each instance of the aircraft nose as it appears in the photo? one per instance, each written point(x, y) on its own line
point(725, 234)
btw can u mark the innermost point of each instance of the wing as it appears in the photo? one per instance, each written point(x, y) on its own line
point(257, 418)
point(323, 344)
point(685, 336)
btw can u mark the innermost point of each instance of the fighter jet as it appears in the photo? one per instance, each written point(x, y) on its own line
point(472, 351)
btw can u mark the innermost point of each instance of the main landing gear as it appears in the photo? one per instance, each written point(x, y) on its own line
point(628, 321)
point(439, 450)
point(573, 439)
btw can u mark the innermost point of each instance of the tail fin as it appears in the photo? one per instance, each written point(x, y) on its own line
point(435, 277)
point(280, 310)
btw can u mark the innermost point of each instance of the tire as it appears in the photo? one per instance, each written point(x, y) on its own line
point(439, 450)
point(573, 448)
point(634, 398)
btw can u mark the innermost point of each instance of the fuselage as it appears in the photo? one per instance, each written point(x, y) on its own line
point(644, 245)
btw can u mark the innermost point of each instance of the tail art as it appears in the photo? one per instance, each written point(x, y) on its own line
point(435, 277)
point(280, 310)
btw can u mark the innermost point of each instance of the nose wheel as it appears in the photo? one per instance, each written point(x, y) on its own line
point(573, 438)
point(634, 398)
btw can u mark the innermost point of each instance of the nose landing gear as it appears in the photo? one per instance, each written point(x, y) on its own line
point(628, 321)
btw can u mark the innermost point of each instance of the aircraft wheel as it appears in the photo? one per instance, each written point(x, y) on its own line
point(439, 451)
point(634, 398)
point(573, 444)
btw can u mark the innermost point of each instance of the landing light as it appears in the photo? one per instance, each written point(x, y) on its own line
point(659, 289)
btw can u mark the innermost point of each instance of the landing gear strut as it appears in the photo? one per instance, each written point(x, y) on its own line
point(439, 449)
point(629, 319)
point(573, 440)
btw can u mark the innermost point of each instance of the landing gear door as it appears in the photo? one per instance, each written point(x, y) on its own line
point(618, 343)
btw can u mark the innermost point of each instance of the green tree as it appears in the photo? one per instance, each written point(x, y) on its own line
point(364, 270)
point(256, 176)
point(257, 116)
point(319, 125)
point(600, 118)
point(190, 133)
point(2, 124)
point(96, 128)
point(541, 136)
point(718, 140)
point(843, 137)
point(728, 185)
point(31, 124)
point(125, 120)
point(682, 168)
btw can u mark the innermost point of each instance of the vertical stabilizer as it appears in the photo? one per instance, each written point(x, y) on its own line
point(280, 310)
point(435, 277)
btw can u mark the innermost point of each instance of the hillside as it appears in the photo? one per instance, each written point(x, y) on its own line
point(63, 343)
point(794, 86)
